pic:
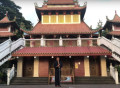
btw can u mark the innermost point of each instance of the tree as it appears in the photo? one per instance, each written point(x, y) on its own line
point(13, 11)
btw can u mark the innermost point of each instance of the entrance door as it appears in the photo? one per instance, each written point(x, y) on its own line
point(28, 67)
point(94, 66)
point(66, 71)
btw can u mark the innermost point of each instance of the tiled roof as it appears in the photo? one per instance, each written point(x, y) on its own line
point(6, 34)
point(60, 2)
point(5, 20)
point(62, 51)
point(3, 29)
point(60, 8)
point(116, 18)
point(117, 33)
point(81, 28)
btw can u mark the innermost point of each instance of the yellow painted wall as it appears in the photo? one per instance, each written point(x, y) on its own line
point(60, 18)
point(45, 19)
point(20, 67)
point(68, 18)
point(53, 18)
point(36, 67)
point(76, 18)
point(103, 66)
point(86, 66)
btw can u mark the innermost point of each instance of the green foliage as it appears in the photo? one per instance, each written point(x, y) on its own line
point(3, 75)
point(104, 33)
point(13, 11)
point(118, 68)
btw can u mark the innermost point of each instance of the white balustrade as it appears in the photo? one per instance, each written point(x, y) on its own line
point(4, 45)
point(10, 74)
point(7, 47)
point(116, 42)
point(114, 74)
point(111, 45)
point(16, 44)
point(61, 40)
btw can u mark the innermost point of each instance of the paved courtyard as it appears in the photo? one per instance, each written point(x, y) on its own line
point(63, 86)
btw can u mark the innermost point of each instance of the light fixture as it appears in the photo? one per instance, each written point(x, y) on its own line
point(79, 63)
point(52, 57)
point(87, 56)
point(34, 56)
point(105, 56)
point(69, 56)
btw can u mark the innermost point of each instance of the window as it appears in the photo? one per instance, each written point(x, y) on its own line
point(53, 18)
point(68, 18)
point(45, 18)
point(60, 18)
point(76, 18)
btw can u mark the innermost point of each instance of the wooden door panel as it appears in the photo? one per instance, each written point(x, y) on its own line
point(28, 67)
point(94, 66)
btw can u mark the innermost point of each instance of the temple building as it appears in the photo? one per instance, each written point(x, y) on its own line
point(61, 31)
point(7, 28)
point(112, 27)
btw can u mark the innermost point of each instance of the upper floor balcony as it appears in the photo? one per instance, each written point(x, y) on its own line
point(65, 42)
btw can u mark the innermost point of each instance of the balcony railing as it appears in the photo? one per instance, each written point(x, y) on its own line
point(61, 42)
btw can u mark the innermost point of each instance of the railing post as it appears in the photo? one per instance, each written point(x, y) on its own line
point(8, 77)
point(98, 41)
point(79, 41)
point(24, 42)
point(10, 44)
point(42, 41)
point(60, 41)
point(116, 76)
point(111, 67)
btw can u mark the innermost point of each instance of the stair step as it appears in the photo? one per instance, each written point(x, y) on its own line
point(94, 80)
point(29, 81)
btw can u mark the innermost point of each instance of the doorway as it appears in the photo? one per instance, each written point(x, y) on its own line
point(28, 66)
point(94, 66)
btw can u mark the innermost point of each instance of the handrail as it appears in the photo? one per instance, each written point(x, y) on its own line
point(7, 47)
point(116, 42)
point(109, 44)
point(10, 74)
point(4, 45)
point(4, 42)
point(114, 74)
point(62, 39)
point(109, 41)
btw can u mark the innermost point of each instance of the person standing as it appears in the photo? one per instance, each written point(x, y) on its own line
point(57, 66)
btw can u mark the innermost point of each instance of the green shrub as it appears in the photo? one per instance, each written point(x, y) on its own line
point(3, 77)
point(118, 68)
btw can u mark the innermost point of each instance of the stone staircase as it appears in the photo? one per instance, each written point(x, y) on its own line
point(29, 81)
point(94, 80)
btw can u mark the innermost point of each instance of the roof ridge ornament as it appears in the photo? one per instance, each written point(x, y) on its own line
point(115, 12)
point(91, 26)
point(85, 3)
point(36, 5)
point(45, 2)
point(6, 13)
point(107, 18)
point(100, 23)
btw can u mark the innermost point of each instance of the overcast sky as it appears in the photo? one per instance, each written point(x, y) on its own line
point(96, 9)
